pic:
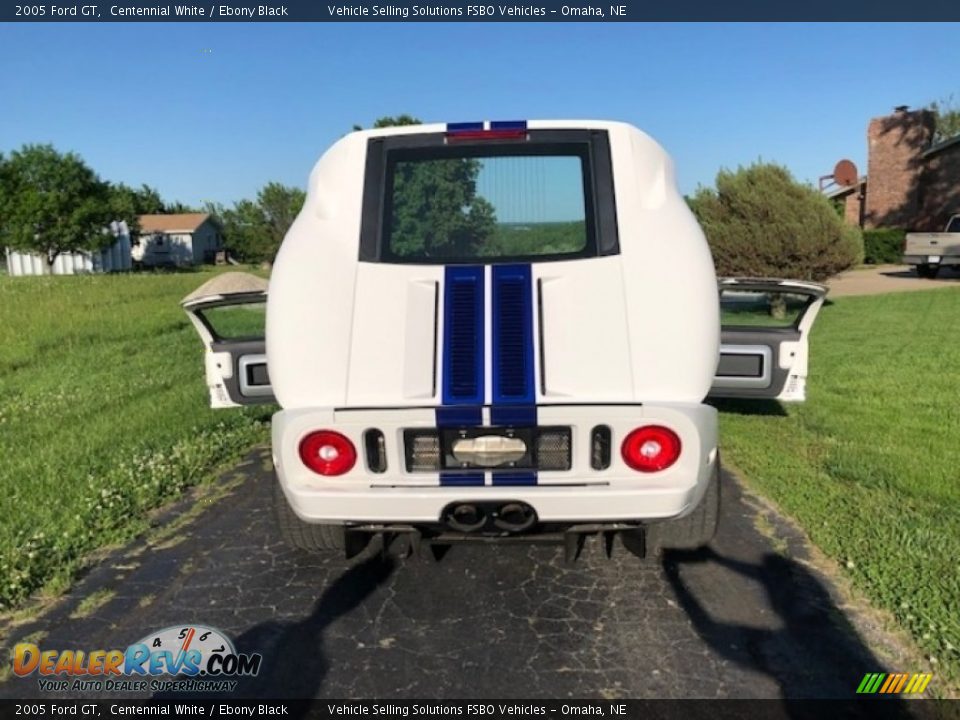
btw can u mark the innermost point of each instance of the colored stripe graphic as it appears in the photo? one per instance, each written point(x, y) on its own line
point(463, 348)
point(876, 682)
point(894, 683)
point(512, 377)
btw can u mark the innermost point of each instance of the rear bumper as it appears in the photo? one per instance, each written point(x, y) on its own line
point(580, 494)
point(925, 259)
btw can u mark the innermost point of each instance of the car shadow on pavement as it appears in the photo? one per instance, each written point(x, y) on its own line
point(293, 663)
point(800, 648)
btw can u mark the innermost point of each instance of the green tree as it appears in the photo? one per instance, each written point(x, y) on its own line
point(436, 211)
point(254, 229)
point(129, 204)
point(177, 208)
point(391, 121)
point(947, 113)
point(51, 203)
point(761, 222)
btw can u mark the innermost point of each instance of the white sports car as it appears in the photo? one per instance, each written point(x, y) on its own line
point(498, 329)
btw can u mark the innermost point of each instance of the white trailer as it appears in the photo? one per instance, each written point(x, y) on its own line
point(492, 329)
point(114, 257)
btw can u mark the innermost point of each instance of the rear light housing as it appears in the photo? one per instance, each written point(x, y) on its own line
point(478, 132)
point(375, 447)
point(600, 447)
point(328, 453)
point(651, 448)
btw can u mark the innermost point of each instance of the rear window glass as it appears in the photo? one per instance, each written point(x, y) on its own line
point(761, 309)
point(237, 322)
point(485, 207)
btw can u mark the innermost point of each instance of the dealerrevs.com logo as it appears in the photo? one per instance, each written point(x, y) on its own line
point(203, 657)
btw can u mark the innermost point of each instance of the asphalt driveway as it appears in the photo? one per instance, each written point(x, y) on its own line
point(746, 618)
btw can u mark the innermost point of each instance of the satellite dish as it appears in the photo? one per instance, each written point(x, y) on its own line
point(845, 173)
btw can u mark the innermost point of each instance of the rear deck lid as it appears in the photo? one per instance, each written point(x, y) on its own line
point(765, 326)
point(229, 312)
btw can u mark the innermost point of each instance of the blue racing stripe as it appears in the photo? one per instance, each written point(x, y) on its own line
point(463, 364)
point(461, 479)
point(514, 415)
point(459, 416)
point(455, 127)
point(515, 477)
point(513, 391)
point(508, 124)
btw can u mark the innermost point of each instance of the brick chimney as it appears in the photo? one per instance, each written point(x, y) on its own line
point(894, 166)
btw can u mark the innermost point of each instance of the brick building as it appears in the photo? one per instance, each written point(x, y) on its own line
point(911, 182)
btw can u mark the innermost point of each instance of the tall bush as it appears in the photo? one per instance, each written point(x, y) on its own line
point(760, 222)
point(884, 245)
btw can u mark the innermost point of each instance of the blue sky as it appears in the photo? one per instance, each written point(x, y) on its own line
point(214, 111)
point(533, 189)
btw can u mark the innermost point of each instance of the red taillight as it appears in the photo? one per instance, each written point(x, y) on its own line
point(507, 134)
point(327, 452)
point(651, 448)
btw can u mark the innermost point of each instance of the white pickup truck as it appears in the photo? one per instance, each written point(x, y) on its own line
point(931, 251)
point(498, 329)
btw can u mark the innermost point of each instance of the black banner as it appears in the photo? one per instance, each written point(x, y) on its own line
point(592, 11)
point(872, 708)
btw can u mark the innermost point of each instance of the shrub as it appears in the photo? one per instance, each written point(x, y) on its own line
point(883, 245)
point(761, 222)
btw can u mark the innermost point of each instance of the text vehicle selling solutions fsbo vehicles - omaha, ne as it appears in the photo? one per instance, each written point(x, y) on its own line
point(492, 329)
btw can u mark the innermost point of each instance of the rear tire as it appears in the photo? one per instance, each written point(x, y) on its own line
point(693, 531)
point(928, 271)
point(312, 537)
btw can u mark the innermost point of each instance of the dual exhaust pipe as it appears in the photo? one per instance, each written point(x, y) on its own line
point(510, 517)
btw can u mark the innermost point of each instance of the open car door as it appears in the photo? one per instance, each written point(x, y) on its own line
point(765, 325)
point(229, 313)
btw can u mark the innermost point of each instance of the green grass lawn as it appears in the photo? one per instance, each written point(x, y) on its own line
point(870, 464)
point(103, 416)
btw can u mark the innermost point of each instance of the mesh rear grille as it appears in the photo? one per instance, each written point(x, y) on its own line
point(511, 356)
point(422, 450)
point(553, 449)
point(464, 336)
